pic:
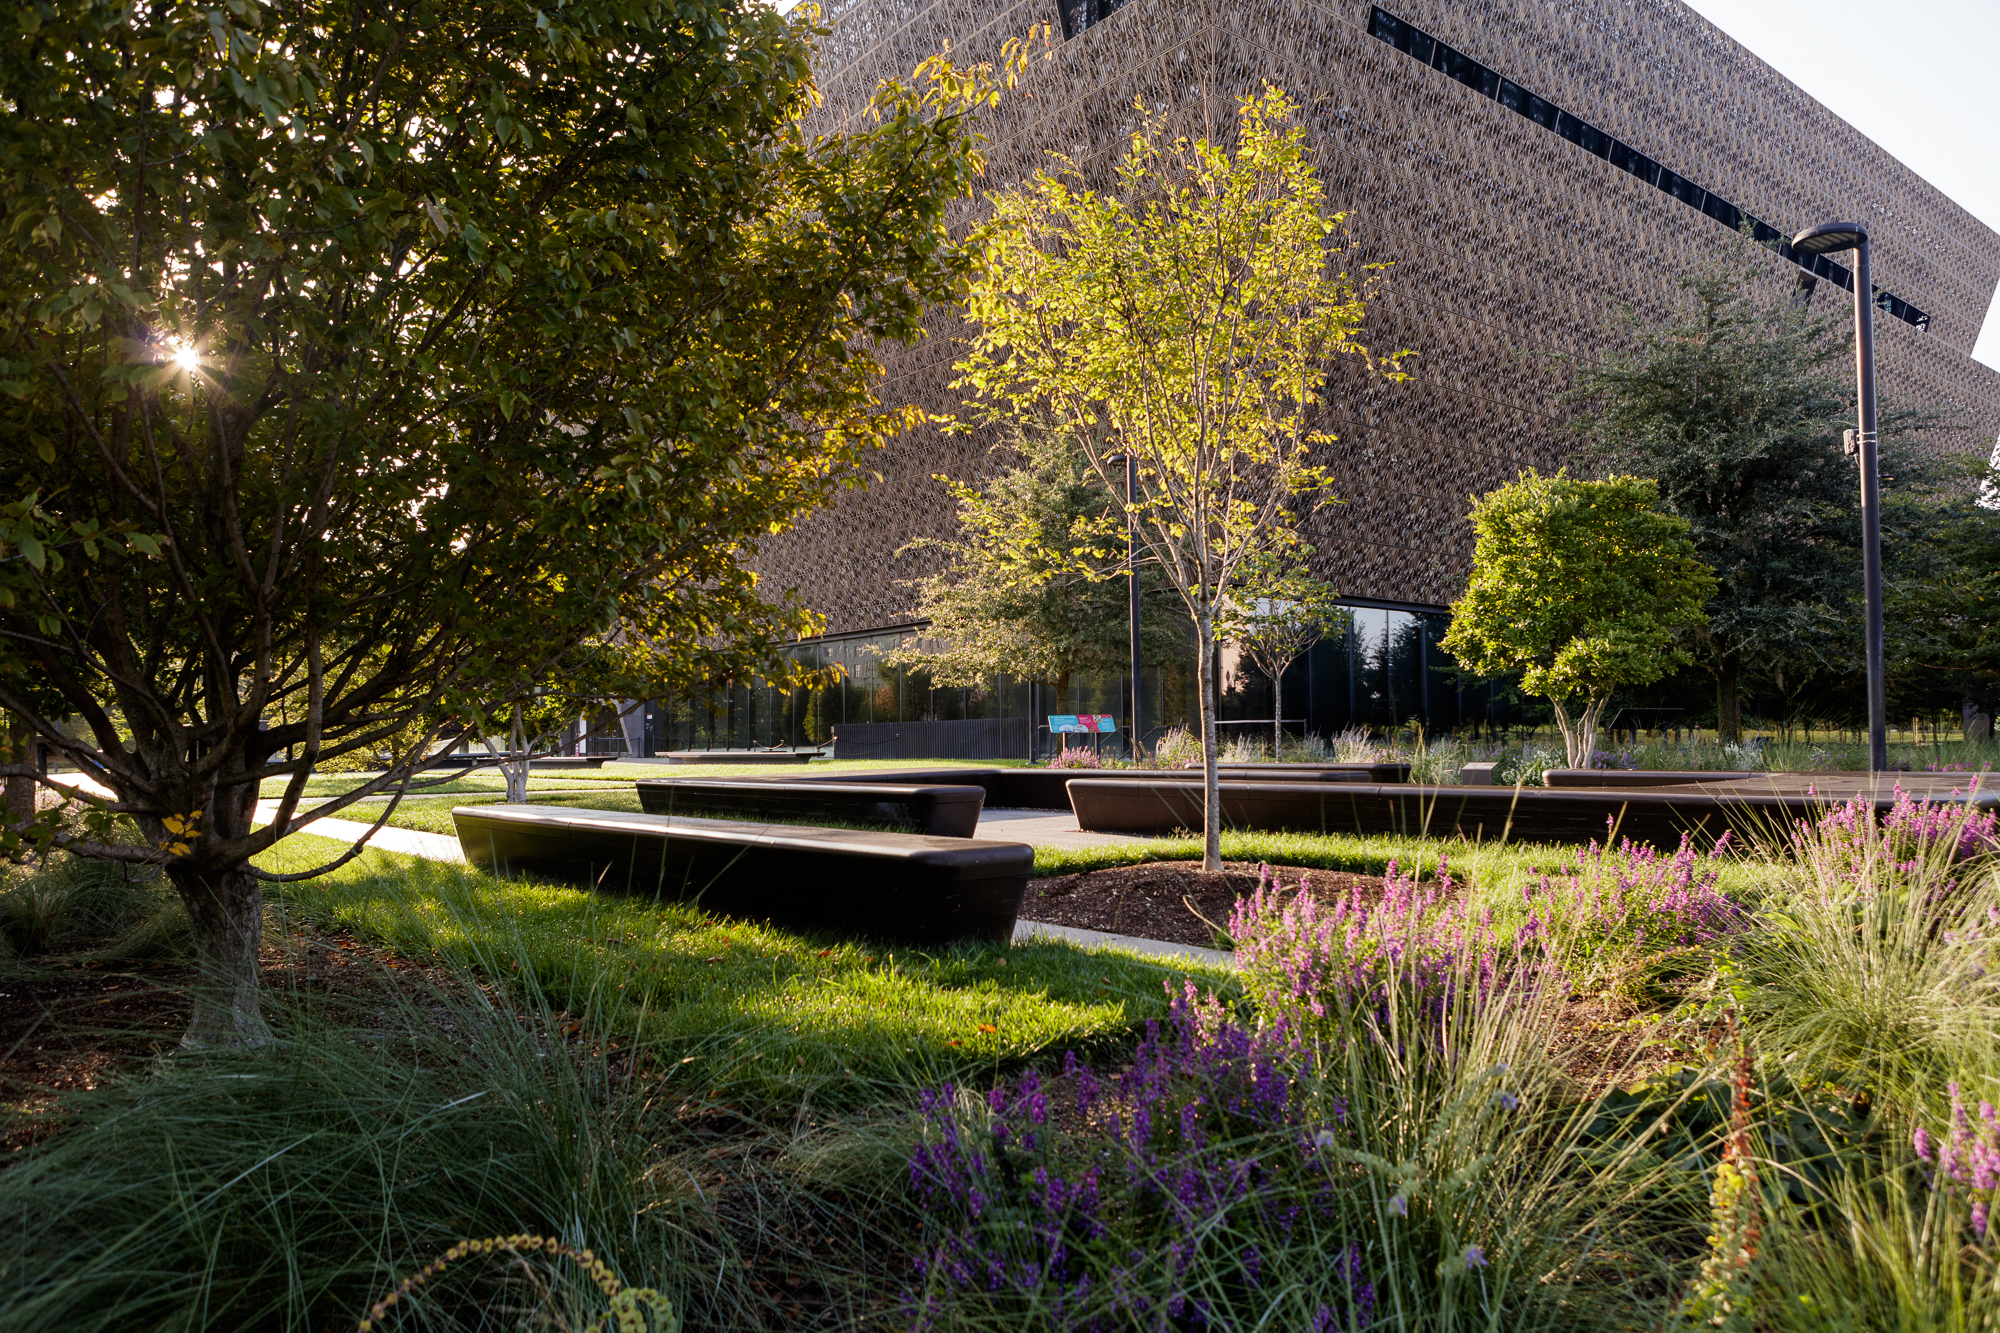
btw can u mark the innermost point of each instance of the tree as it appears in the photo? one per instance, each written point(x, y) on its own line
point(1735, 404)
point(1033, 585)
point(1582, 586)
point(1279, 610)
point(409, 347)
point(1184, 321)
point(1945, 623)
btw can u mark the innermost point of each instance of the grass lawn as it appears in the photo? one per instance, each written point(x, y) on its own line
point(765, 1013)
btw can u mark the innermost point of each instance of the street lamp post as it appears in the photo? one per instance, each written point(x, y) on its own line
point(1827, 238)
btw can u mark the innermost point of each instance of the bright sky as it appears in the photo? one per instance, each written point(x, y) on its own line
point(1916, 76)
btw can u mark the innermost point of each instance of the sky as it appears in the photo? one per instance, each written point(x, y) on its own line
point(1916, 76)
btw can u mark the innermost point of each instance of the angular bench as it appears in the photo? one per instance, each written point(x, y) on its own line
point(937, 810)
point(1047, 788)
point(900, 887)
point(1529, 814)
point(760, 757)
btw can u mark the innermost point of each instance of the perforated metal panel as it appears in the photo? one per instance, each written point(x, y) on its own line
point(1511, 240)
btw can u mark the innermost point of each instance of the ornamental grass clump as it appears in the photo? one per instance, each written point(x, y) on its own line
point(1617, 915)
point(1874, 957)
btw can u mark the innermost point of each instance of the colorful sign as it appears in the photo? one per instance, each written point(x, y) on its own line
point(1072, 724)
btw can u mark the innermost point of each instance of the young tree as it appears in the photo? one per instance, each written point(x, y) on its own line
point(1034, 584)
point(1582, 586)
point(1184, 321)
point(1735, 404)
point(408, 349)
point(1276, 612)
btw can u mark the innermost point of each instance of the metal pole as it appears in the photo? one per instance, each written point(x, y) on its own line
point(1132, 590)
point(1871, 508)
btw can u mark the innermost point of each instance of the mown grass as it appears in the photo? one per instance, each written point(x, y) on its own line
point(765, 1013)
point(1492, 870)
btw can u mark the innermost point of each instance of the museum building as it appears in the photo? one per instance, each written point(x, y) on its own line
point(1528, 167)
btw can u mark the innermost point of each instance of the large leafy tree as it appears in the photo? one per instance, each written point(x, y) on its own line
point(1944, 619)
point(402, 347)
point(1185, 320)
point(1735, 403)
point(1035, 583)
point(1582, 587)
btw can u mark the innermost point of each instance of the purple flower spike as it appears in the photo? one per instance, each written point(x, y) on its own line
point(1475, 1257)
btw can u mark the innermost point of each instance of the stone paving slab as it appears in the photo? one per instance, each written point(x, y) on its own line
point(1046, 828)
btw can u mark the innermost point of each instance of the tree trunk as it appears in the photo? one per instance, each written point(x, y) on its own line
point(20, 786)
point(515, 771)
point(227, 909)
point(1729, 699)
point(1211, 795)
point(1580, 735)
point(1278, 715)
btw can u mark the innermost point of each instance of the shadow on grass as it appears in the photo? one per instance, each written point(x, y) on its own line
point(756, 1012)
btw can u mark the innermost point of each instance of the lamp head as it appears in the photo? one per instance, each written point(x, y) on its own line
point(1830, 236)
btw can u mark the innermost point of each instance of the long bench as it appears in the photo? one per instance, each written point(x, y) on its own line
point(899, 887)
point(1047, 788)
point(1529, 814)
point(761, 758)
point(941, 811)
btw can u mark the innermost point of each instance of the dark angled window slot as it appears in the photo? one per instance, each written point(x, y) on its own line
point(1461, 68)
point(1467, 71)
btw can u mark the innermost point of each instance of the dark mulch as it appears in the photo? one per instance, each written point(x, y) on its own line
point(1173, 900)
point(66, 1022)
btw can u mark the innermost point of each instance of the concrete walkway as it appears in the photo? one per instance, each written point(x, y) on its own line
point(1046, 828)
point(410, 842)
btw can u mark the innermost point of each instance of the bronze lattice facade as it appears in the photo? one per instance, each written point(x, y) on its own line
point(1527, 165)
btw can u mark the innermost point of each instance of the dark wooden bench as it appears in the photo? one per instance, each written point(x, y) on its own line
point(899, 887)
point(1636, 777)
point(1047, 788)
point(760, 757)
point(1528, 814)
point(938, 810)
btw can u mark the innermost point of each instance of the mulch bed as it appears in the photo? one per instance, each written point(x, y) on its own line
point(1174, 900)
point(66, 1022)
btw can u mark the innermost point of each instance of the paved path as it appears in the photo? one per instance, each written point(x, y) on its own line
point(410, 842)
point(1046, 828)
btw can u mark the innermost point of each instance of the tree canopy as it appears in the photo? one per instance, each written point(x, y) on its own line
point(1035, 583)
point(1184, 319)
point(1735, 402)
point(1582, 587)
point(400, 349)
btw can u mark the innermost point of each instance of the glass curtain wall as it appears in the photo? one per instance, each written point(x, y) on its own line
point(1384, 672)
